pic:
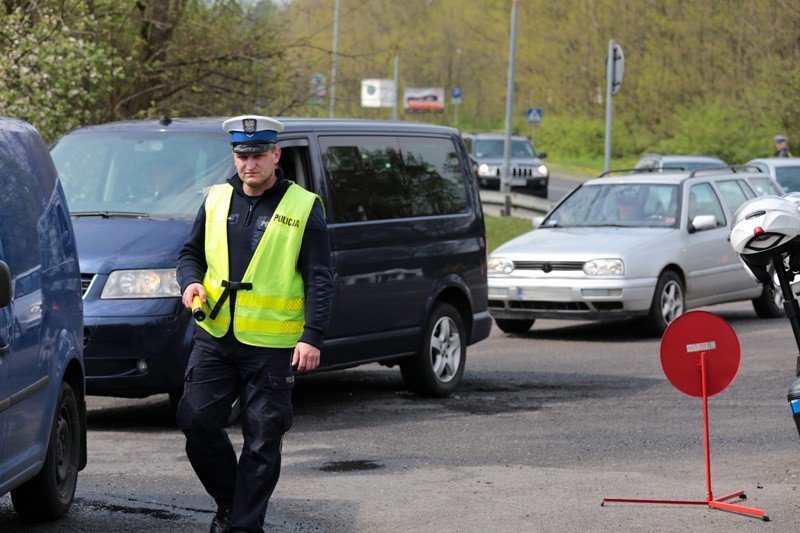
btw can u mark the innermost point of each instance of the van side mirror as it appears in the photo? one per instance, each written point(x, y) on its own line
point(542, 155)
point(5, 284)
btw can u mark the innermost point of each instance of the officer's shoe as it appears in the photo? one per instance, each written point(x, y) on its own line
point(220, 522)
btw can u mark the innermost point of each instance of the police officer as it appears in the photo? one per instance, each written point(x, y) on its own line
point(258, 256)
point(782, 146)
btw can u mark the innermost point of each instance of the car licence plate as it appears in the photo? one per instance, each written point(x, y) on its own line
point(555, 294)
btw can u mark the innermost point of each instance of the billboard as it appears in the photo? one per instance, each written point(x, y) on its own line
point(424, 99)
point(377, 93)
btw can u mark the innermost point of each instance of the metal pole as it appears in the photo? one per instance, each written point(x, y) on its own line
point(609, 96)
point(335, 54)
point(396, 85)
point(505, 178)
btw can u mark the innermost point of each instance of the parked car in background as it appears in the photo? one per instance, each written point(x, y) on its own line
point(649, 245)
point(42, 405)
point(526, 167)
point(785, 170)
point(405, 224)
point(661, 162)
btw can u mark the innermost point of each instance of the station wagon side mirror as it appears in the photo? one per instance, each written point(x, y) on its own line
point(542, 155)
point(5, 284)
point(702, 222)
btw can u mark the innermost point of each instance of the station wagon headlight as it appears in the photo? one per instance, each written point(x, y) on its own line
point(604, 267)
point(500, 265)
point(542, 170)
point(155, 283)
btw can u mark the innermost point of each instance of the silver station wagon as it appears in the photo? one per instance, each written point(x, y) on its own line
point(648, 245)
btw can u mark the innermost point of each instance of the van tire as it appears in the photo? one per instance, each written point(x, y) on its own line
point(49, 495)
point(436, 370)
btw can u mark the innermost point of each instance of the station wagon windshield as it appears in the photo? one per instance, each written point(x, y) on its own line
point(153, 174)
point(618, 205)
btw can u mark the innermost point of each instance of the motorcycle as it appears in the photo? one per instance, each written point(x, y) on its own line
point(766, 236)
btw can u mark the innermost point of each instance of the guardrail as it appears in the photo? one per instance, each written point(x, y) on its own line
point(524, 204)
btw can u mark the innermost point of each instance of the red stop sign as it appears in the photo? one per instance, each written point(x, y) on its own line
point(690, 335)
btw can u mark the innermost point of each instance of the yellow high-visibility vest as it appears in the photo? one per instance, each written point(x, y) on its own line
point(272, 313)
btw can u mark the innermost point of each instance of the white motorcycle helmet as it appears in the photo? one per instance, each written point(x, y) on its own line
point(764, 228)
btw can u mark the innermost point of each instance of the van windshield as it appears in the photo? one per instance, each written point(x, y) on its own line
point(153, 173)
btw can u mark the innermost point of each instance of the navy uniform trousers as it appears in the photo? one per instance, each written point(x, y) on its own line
point(218, 371)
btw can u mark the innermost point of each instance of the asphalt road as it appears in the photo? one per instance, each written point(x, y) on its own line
point(544, 426)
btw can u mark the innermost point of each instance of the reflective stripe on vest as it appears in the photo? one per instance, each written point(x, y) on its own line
point(272, 313)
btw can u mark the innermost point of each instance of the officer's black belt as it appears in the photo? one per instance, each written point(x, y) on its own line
point(230, 286)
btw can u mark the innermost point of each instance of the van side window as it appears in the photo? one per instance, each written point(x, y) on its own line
point(382, 178)
point(19, 217)
point(365, 178)
point(294, 164)
point(435, 177)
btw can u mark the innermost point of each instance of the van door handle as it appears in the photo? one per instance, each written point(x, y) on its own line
point(4, 349)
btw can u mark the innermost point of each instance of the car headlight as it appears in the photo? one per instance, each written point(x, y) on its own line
point(484, 170)
point(156, 283)
point(542, 170)
point(500, 265)
point(604, 267)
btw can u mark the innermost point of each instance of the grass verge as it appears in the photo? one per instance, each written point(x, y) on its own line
point(503, 229)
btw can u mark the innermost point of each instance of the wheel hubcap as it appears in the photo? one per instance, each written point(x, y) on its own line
point(445, 350)
point(671, 302)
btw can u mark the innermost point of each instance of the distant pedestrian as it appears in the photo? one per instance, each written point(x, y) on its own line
point(782, 146)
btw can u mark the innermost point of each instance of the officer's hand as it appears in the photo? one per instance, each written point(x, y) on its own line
point(192, 290)
point(306, 357)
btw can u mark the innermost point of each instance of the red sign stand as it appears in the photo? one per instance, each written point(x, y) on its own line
point(700, 355)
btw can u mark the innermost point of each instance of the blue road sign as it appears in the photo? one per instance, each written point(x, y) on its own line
point(456, 95)
point(534, 115)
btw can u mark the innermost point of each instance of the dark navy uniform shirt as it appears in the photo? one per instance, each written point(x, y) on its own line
point(247, 220)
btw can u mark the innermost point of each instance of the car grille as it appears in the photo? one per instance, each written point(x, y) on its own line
point(548, 306)
point(525, 172)
point(86, 280)
point(548, 266)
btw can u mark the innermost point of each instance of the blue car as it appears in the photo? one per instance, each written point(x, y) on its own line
point(42, 394)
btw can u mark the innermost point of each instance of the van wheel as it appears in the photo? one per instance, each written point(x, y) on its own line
point(668, 303)
point(437, 369)
point(49, 495)
point(770, 303)
point(509, 325)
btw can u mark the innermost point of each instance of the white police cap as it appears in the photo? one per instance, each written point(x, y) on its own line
point(252, 133)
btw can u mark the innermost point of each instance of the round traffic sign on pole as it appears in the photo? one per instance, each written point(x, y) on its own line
point(690, 335)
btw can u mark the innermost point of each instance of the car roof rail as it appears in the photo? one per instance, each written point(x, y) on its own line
point(647, 170)
point(710, 171)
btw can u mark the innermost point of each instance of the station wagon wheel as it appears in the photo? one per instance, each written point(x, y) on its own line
point(509, 325)
point(668, 303)
point(49, 494)
point(436, 370)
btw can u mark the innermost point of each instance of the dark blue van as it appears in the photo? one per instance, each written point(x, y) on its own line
point(406, 230)
point(42, 405)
